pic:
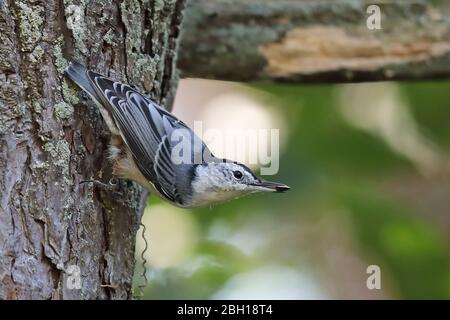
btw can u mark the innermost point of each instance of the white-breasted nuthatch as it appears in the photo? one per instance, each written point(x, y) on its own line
point(142, 144)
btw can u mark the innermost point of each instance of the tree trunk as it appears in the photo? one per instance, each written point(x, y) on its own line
point(52, 138)
point(315, 41)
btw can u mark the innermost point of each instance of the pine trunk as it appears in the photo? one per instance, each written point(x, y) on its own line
point(52, 138)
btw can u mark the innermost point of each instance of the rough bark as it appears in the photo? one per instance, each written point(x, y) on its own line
point(52, 138)
point(315, 41)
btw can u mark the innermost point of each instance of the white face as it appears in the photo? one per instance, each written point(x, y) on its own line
point(222, 181)
point(218, 182)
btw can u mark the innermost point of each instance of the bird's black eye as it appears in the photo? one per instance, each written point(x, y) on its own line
point(237, 174)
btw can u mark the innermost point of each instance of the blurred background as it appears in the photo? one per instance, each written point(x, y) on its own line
point(368, 166)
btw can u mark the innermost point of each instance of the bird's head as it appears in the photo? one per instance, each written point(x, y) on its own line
point(221, 181)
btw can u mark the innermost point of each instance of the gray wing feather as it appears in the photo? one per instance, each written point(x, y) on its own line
point(146, 129)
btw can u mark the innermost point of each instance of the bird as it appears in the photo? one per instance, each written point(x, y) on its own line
point(142, 148)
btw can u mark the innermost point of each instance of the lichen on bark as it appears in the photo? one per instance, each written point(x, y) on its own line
point(52, 138)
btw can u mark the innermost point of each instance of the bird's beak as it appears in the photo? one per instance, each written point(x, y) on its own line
point(270, 186)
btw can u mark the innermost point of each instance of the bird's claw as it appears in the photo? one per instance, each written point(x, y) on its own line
point(110, 186)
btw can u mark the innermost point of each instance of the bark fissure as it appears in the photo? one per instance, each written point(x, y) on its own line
point(124, 30)
point(169, 73)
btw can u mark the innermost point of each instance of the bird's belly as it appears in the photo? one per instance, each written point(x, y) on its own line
point(126, 168)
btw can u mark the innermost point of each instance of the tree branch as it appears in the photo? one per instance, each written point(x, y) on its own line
point(315, 41)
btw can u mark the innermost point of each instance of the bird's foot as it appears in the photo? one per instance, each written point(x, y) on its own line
point(112, 286)
point(110, 186)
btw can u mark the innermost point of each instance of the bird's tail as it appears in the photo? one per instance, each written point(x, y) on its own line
point(78, 73)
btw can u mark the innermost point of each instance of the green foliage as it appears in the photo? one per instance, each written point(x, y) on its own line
point(406, 245)
point(338, 171)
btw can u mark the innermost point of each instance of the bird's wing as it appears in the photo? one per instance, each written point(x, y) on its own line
point(146, 129)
